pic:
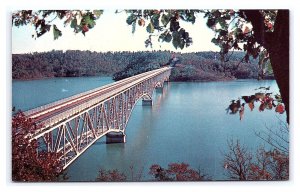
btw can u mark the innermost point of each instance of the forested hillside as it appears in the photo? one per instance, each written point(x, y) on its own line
point(76, 63)
point(203, 66)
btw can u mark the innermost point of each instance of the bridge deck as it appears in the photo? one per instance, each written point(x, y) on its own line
point(67, 107)
point(70, 126)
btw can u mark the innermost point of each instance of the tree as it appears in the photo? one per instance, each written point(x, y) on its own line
point(258, 31)
point(123, 64)
point(276, 41)
point(138, 65)
point(110, 176)
point(237, 161)
point(29, 164)
point(176, 172)
point(264, 164)
point(79, 20)
point(241, 164)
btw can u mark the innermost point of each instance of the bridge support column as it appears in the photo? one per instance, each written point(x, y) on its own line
point(147, 102)
point(114, 137)
point(159, 89)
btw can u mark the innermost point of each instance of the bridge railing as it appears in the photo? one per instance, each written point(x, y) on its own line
point(55, 119)
point(43, 107)
point(70, 112)
point(81, 107)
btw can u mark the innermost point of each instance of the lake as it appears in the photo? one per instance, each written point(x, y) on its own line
point(187, 123)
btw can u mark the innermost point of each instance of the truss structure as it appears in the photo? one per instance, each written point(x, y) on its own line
point(74, 130)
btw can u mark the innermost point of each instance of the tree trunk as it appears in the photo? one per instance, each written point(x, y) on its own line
point(279, 55)
point(277, 44)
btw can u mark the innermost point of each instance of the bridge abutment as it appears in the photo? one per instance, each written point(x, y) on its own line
point(114, 137)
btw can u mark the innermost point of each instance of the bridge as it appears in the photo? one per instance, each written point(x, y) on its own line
point(71, 125)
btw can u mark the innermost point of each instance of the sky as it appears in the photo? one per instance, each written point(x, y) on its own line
point(111, 33)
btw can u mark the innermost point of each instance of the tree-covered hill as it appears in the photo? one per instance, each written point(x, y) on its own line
point(203, 66)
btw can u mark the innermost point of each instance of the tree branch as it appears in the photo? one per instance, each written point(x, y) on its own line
point(260, 34)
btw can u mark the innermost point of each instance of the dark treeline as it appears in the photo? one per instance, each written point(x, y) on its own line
point(202, 66)
point(74, 63)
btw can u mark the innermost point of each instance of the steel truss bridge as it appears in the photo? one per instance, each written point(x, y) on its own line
point(70, 126)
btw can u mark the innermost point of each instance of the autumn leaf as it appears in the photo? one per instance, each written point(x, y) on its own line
point(251, 106)
point(279, 108)
point(141, 22)
point(98, 13)
point(246, 30)
point(270, 26)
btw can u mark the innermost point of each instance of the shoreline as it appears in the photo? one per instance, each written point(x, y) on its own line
point(217, 80)
point(43, 78)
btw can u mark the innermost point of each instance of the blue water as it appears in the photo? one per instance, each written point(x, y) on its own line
point(30, 94)
point(187, 123)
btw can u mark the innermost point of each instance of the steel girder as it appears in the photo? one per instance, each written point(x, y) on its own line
point(72, 136)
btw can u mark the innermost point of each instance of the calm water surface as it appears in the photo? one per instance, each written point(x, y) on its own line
point(30, 94)
point(187, 123)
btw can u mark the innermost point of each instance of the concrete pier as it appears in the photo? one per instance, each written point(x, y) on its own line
point(114, 137)
point(147, 102)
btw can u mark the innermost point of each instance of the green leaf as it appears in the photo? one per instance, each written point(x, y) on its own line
point(181, 32)
point(181, 44)
point(168, 38)
point(238, 30)
point(74, 23)
point(165, 19)
point(223, 32)
point(174, 25)
point(162, 37)
point(238, 33)
point(155, 20)
point(91, 24)
point(210, 22)
point(148, 43)
point(56, 32)
point(216, 13)
point(222, 22)
point(176, 39)
point(150, 28)
point(133, 27)
point(130, 19)
point(88, 20)
point(215, 41)
point(191, 17)
point(206, 14)
point(227, 16)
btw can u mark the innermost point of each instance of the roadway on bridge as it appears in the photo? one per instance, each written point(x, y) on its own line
point(102, 94)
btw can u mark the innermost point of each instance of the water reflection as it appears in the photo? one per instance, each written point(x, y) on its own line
point(146, 116)
point(187, 124)
point(160, 96)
